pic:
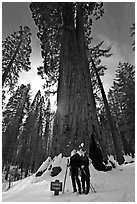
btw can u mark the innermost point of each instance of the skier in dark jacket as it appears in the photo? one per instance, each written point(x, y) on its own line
point(85, 174)
point(74, 170)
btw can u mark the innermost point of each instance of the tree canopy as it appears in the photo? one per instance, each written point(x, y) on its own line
point(48, 18)
point(16, 50)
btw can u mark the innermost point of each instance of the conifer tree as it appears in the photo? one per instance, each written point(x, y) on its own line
point(97, 69)
point(28, 135)
point(114, 132)
point(106, 139)
point(38, 153)
point(48, 129)
point(16, 50)
point(34, 135)
point(12, 119)
point(122, 102)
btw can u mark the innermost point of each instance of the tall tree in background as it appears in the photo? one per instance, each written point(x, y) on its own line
point(94, 54)
point(16, 50)
point(98, 53)
point(48, 129)
point(106, 139)
point(39, 151)
point(122, 102)
point(32, 149)
point(12, 120)
point(62, 28)
point(28, 136)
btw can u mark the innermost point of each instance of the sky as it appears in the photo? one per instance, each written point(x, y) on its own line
point(113, 28)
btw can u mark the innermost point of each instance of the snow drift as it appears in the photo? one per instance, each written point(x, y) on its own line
point(117, 185)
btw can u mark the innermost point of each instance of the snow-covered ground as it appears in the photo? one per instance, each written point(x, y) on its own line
point(117, 185)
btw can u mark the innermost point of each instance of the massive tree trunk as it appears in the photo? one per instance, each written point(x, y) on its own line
point(76, 118)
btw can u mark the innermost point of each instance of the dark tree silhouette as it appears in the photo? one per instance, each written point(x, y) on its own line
point(115, 134)
point(12, 120)
point(122, 102)
point(16, 51)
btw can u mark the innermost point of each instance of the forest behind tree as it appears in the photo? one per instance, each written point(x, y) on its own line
point(105, 124)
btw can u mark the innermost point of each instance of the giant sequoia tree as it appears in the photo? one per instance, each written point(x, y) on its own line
point(63, 31)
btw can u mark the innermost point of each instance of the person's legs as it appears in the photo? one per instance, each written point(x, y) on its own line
point(83, 181)
point(87, 184)
point(83, 185)
point(78, 183)
point(73, 181)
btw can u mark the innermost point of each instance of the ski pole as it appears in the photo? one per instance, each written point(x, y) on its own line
point(92, 188)
point(65, 176)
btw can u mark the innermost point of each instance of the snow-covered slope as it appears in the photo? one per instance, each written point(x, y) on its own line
point(113, 186)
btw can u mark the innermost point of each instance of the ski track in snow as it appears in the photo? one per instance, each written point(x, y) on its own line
point(117, 185)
